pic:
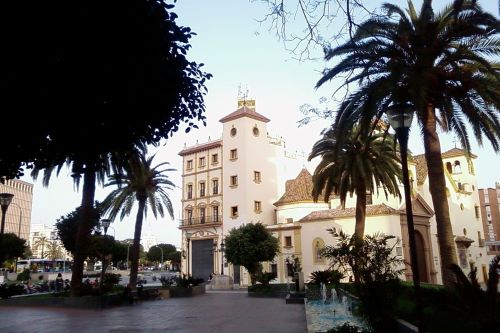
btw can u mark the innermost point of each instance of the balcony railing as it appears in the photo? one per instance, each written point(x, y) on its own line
point(201, 220)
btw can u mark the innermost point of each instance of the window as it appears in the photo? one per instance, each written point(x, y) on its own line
point(233, 131)
point(256, 176)
point(369, 200)
point(189, 215)
point(202, 189)
point(255, 131)
point(257, 206)
point(399, 251)
point(215, 186)
point(288, 241)
point(190, 191)
point(189, 164)
point(476, 209)
point(274, 269)
point(289, 220)
point(318, 246)
point(456, 167)
point(201, 162)
point(202, 214)
point(233, 154)
point(215, 158)
point(215, 214)
point(234, 211)
point(234, 181)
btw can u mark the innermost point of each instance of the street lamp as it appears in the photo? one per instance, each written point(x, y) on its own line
point(105, 225)
point(5, 200)
point(400, 118)
point(222, 247)
point(161, 255)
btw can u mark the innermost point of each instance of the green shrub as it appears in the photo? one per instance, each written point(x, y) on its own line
point(265, 278)
point(347, 328)
point(326, 277)
point(24, 275)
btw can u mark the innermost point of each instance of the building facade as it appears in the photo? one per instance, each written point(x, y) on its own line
point(45, 244)
point(18, 217)
point(490, 212)
point(242, 178)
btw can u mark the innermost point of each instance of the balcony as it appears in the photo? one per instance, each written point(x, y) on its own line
point(194, 221)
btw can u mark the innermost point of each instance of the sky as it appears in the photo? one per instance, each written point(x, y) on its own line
point(243, 55)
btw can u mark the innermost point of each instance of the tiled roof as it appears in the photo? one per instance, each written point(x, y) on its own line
point(200, 147)
point(336, 213)
point(244, 112)
point(454, 152)
point(421, 168)
point(298, 189)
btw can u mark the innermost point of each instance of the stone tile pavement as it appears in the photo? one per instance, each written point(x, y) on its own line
point(221, 312)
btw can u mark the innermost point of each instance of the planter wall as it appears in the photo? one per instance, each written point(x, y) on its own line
point(187, 291)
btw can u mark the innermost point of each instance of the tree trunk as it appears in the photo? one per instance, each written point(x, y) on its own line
point(83, 233)
point(437, 188)
point(359, 229)
point(136, 247)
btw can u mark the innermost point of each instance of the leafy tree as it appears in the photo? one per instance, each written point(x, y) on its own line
point(439, 64)
point(145, 184)
point(67, 226)
point(355, 163)
point(99, 60)
point(154, 253)
point(249, 245)
point(12, 247)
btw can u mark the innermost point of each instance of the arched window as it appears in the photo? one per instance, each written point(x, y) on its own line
point(318, 245)
point(456, 167)
point(448, 167)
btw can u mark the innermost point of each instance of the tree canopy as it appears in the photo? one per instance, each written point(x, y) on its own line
point(169, 252)
point(249, 245)
point(86, 64)
point(12, 247)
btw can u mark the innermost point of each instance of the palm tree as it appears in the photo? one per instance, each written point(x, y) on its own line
point(93, 170)
point(40, 243)
point(355, 163)
point(54, 250)
point(438, 64)
point(146, 184)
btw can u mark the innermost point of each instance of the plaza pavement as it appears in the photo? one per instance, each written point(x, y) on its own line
point(221, 312)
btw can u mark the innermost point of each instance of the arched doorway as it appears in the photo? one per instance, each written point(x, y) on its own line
point(421, 259)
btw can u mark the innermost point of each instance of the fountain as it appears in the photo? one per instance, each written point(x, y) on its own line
point(324, 314)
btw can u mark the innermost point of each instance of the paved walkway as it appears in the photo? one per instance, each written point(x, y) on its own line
point(229, 312)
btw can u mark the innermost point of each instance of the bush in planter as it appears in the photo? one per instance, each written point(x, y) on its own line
point(346, 328)
point(265, 277)
point(7, 291)
point(24, 275)
point(189, 281)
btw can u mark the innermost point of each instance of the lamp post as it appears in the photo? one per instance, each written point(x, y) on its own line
point(400, 118)
point(5, 200)
point(161, 255)
point(105, 225)
point(222, 247)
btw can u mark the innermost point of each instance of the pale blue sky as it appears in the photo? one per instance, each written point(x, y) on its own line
point(238, 50)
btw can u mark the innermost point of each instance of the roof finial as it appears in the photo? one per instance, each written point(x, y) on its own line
point(455, 141)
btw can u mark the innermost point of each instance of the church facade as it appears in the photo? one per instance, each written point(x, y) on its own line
point(242, 178)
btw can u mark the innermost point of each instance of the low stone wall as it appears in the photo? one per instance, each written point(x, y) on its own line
point(84, 302)
point(187, 291)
